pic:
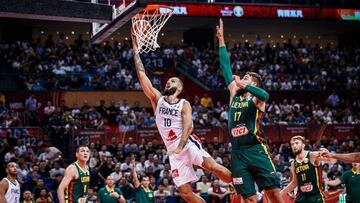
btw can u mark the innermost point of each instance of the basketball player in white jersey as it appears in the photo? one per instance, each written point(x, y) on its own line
point(9, 186)
point(174, 122)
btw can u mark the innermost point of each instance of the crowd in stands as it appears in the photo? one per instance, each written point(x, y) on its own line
point(56, 66)
point(81, 66)
point(291, 66)
point(62, 119)
point(41, 167)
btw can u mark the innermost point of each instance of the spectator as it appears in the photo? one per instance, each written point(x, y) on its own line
point(57, 170)
point(28, 198)
point(217, 194)
point(126, 165)
point(203, 186)
point(285, 180)
point(104, 153)
point(161, 194)
point(91, 198)
point(105, 169)
point(49, 109)
point(44, 197)
point(334, 174)
point(117, 174)
point(206, 101)
point(333, 100)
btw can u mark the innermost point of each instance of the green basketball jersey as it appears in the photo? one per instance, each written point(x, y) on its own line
point(352, 182)
point(78, 187)
point(308, 176)
point(245, 122)
point(143, 196)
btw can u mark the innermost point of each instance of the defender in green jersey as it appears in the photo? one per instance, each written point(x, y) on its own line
point(351, 178)
point(250, 159)
point(74, 185)
point(306, 173)
point(143, 192)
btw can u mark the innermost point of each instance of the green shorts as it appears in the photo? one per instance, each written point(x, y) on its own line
point(251, 164)
point(317, 198)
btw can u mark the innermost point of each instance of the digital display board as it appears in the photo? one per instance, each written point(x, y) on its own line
point(263, 12)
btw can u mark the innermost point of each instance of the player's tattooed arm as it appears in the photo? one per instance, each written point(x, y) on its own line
point(187, 124)
point(3, 188)
point(150, 92)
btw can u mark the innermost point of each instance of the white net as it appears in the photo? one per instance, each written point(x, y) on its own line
point(147, 25)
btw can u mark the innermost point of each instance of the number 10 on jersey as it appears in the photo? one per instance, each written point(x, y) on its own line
point(167, 122)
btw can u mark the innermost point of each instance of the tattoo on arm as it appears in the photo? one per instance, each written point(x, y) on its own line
point(138, 64)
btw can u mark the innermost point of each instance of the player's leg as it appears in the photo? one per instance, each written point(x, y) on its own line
point(242, 179)
point(264, 172)
point(203, 159)
point(273, 195)
point(188, 195)
point(220, 171)
point(183, 174)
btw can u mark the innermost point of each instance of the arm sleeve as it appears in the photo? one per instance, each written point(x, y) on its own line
point(257, 92)
point(225, 65)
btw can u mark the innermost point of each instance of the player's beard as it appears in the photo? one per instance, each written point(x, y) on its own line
point(297, 152)
point(170, 91)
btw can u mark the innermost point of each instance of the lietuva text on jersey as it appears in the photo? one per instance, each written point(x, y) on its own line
point(168, 111)
point(244, 122)
point(302, 168)
point(239, 105)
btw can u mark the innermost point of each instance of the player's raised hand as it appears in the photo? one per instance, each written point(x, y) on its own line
point(133, 163)
point(239, 83)
point(134, 43)
point(220, 29)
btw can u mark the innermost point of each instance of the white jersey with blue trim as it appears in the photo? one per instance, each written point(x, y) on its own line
point(12, 194)
point(169, 122)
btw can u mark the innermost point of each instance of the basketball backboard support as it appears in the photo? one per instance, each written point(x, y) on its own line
point(121, 15)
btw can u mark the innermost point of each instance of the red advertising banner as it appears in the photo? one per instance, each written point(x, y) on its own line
point(262, 12)
point(277, 133)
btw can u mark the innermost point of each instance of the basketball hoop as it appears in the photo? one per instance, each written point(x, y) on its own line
point(147, 24)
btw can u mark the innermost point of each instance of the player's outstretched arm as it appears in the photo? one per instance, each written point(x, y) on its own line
point(70, 174)
point(333, 183)
point(136, 181)
point(316, 157)
point(152, 93)
point(350, 157)
point(4, 185)
point(225, 63)
point(187, 125)
point(293, 184)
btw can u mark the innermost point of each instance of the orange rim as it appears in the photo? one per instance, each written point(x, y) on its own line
point(151, 10)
